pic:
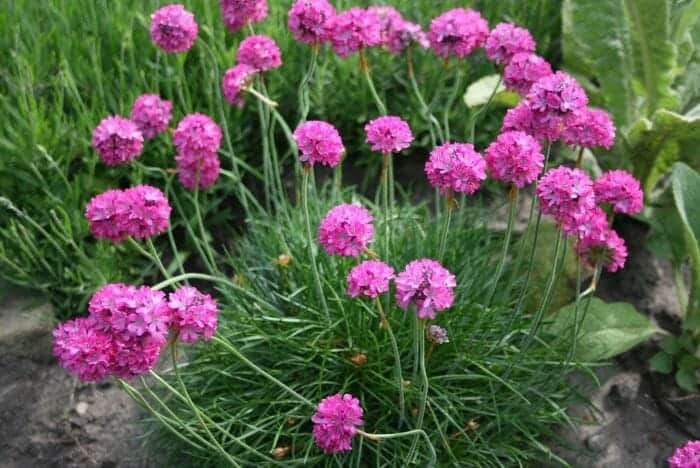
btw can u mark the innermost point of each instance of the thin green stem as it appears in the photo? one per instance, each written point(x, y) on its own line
point(370, 83)
point(482, 110)
point(386, 208)
point(152, 256)
point(420, 337)
point(156, 258)
point(397, 360)
point(553, 277)
point(210, 260)
point(512, 213)
point(310, 239)
point(433, 123)
point(418, 432)
point(446, 226)
point(304, 98)
point(450, 102)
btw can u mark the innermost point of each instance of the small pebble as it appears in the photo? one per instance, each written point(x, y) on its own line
point(81, 408)
point(596, 442)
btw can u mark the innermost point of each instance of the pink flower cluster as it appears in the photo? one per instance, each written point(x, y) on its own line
point(259, 52)
point(456, 166)
point(173, 28)
point(141, 212)
point(555, 102)
point(589, 128)
point(388, 134)
point(151, 114)
point(335, 422)
point(238, 13)
point(426, 284)
point(352, 30)
point(197, 139)
point(404, 34)
point(687, 456)
point(506, 40)
point(437, 335)
point(515, 158)
point(370, 278)
point(193, 314)
point(567, 195)
point(346, 230)
point(236, 80)
point(621, 190)
point(117, 140)
point(387, 16)
point(458, 32)
point(523, 70)
point(319, 143)
point(308, 20)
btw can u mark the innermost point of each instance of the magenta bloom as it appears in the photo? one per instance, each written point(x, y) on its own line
point(238, 13)
point(353, 30)
point(388, 17)
point(607, 249)
point(117, 140)
point(621, 190)
point(346, 230)
point(319, 142)
point(426, 284)
point(235, 81)
point(523, 70)
point(388, 134)
point(198, 170)
point(148, 214)
point(308, 20)
point(555, 102)
point(455, 166)
point(516, 158)
point(437, 335)
point(193, 314)
point(521, 119)
point(687, 456)
point(259, 52)
point(506, 40)
point(151, 114)
point(566, 194)
point(106, 214)
point(84, 350)
point(458, 32)
point(197, 133)
point(370, 278)
point(335, 422)
point(404, 34)
point(173, 28)
point(591, 127)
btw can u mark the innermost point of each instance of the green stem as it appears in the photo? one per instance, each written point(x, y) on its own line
point(553, 277)
point(446, 226)
point(418, 432)
point(151, 256)
point(397, 361)
point(574, 338)
point(203, 232)
point(433, 123)
point(386, 162)
point(512, 213)
point(420, 337)
point(304, 98)
point(156, 258)
point(370, 83)
point(450, 102)
point(310, 239)
point(482, 110)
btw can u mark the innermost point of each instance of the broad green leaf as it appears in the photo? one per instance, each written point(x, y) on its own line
point(607, 330)
point(662, 362)
point(686, 194)
point(686, 379)
point(479, 92)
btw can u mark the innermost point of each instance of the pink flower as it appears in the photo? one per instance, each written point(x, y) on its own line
point(107, 213)
point(458, 32)
point(687, 456)
point(591, 127)
point(388, 134)
point(259, 52)
point(404, 34)
point(151, 114)
point(370, 278)
point(506, 40)
point(437, 335)
point(607, 249)
point(516, 158)
point(335, 422)
point(197, 133)
point(426, 284)
point(319, 142)
point(117, 140)
point(455, 166)
point(523, 70)
point(388, 17)
point(621, 190)
point(521, 119)
point(84, 350)
point(173, 28)
point(353, 30)
point(566, 194)
point(238, 13)
point(148, 214)
point(198, 170)
point(194, 314)
point(235, 80)
point(308, 20)
point(346, 230)
point(555, 102)
point(592, 224)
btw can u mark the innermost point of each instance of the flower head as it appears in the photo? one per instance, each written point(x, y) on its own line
point(259, 52)
point(346, 230)
point(235, 80)
point(117, 140)
point(404, 34)
point(84, 350)
point(148, 214)
point(516, 158)
point(173, 28)
point(151, 114)
point(506, 40)
point(591, 127)
point(388, 17)
point(687, 456)
point(319, 142)
point(428, 285)
point(353, 30)
point(335, 422)
point(106, 214)
point(370, 278)
point(458, 32)
point(198, 170)
point(523, 70)
point(556, 101)
point(621, 190)
point(607, 249)
point(308, 20)
point(592, 224)
point(238, 13)
point(456, 166)
point(194, 314)
point(197, 133)
point(566, 194)
point(520, 118)
point(388, 134)
point(437, 335)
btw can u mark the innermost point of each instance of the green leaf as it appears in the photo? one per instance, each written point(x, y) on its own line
point(662, 362)
point(685, 184)
point(479, 92)
point(607, 330)
point(670, 345)
point(685, 378)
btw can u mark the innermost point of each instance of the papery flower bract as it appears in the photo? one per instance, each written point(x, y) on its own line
point(148, 214)
point(523, 70)
point(516, 158)
point(370, 278)
point(173, 28)
point(566, 194)
point(555, 101)
point(458, 32)
point(621, 190)
point(193, 314)
point(590, 128)
point(506, 40)
point(238, 13)
point(437, 335)
point(308, 20)
point(404, 34)
point(426, 284)
point(608, 249)
point(259, 52)
point(352, 30)
point(197, 133)
point(84, 350)
point(346, 230)
point(117, 140)
point(335, 422)
point(388, 134)
point(687, 456)
point(235, 80)
point(388, 16)
point(106, 214)
point(319, 143)
point(455, 166)
point(151, 114)
point(198, 169)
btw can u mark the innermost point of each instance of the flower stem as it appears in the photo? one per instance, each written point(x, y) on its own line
point(304, 98)
point(417, 432)
point(261, 97)
point(370, 83)
point(202, 230)
point(482, 110)
point(553, 277)
point(512, 212)
point(433, 123)
point(397, 360)
point(420, 338)
point(446, 226)
point(152, 256)
point(386, 162)
point(310, 238)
